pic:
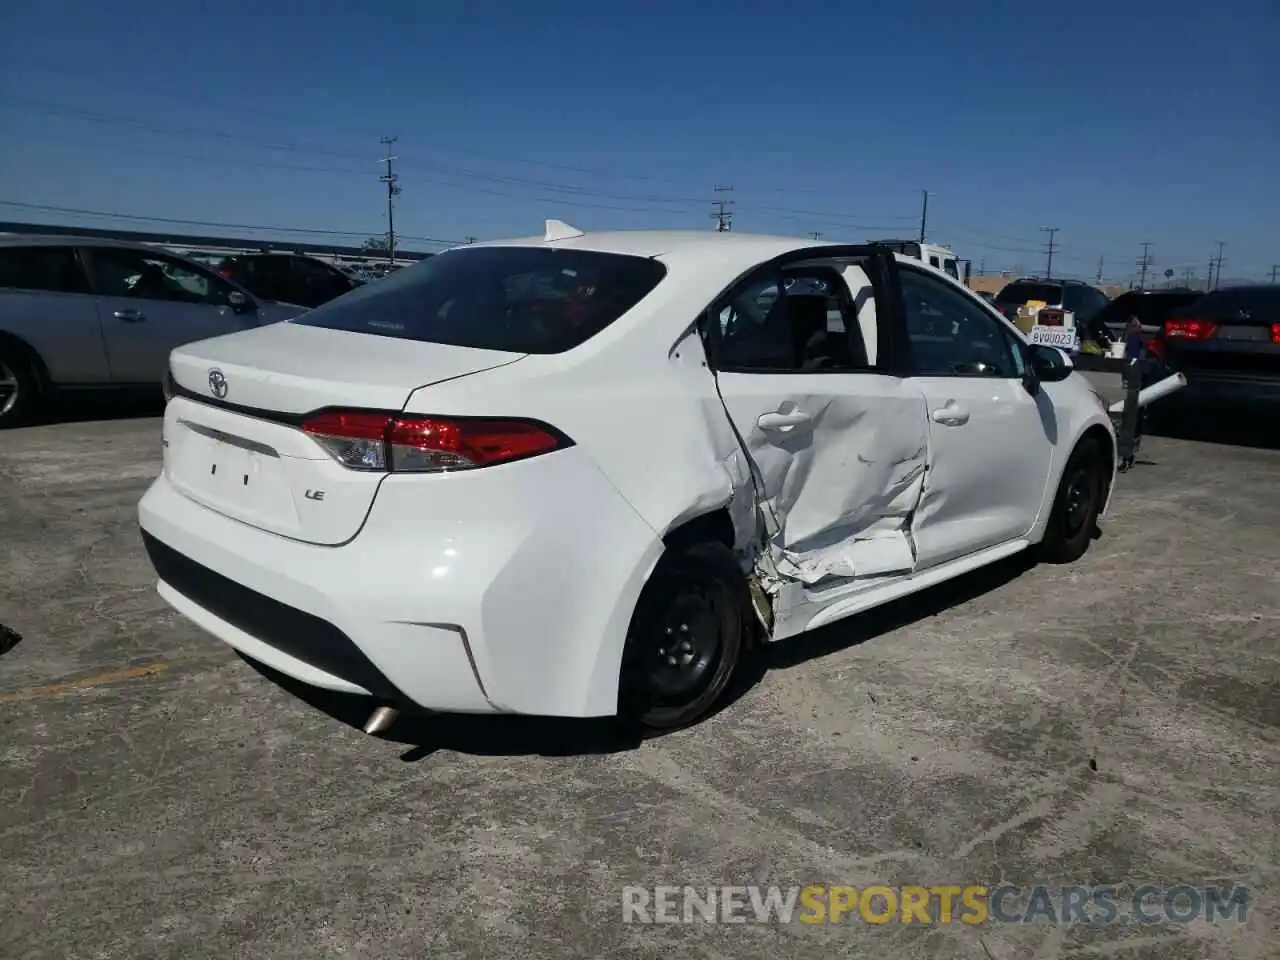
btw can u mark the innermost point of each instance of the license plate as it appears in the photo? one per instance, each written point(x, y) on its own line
point(1238, 332)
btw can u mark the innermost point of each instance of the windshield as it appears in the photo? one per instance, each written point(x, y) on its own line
point(517, 299)
point(1016, 294)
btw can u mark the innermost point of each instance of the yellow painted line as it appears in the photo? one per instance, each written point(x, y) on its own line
point(85, 683)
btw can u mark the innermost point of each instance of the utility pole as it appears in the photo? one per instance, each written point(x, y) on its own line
point(723, 216)
point(1098, 278)
point(1275, 268)
point(391, 180)
point(1144, 264)
point(982, 267)
point(1052, 232)
point(468, 240)
point(1186, 276)
point(924, 212)
point(816, 235)
point(1217, 274)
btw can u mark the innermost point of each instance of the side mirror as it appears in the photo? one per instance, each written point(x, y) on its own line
point(239, 303)
point(1049, 364)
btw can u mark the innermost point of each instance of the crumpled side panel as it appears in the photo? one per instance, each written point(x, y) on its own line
point(841, 494)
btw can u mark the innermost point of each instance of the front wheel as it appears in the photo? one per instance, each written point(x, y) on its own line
point(1076, 506)
point(19, 388)
point(689, 630)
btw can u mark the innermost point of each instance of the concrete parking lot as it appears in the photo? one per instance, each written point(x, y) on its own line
point(1115, 721)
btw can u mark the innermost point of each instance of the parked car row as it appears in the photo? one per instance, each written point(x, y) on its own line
point(94, 314)
point(1227, 344)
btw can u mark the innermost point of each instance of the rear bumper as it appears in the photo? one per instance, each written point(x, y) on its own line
point(1220, 388)
point(510, 592)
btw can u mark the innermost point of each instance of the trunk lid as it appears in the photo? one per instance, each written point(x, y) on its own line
point(232, 434)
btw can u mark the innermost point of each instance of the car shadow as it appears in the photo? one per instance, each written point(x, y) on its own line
point(1228, 428)
point(509, 735)
point(474, 734)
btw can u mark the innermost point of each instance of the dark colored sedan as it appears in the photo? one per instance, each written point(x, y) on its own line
point(1227, 344)
point(288, 277)
point(1151, 307)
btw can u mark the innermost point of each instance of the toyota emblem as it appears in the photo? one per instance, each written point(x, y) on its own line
point(218, 383)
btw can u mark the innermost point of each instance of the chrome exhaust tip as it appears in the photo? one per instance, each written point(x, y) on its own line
point(380, 720)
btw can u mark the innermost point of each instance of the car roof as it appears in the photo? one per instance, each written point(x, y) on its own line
point(667, 243)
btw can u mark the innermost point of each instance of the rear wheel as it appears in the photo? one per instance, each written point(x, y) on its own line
point(689, 630)
point(19, 387)
point(1075, 508)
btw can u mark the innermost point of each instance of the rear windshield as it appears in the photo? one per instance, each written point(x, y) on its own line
point(1016, 294)
point(518, 299)
point(1264, 301)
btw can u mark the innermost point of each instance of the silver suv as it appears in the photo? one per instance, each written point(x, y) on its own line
point(91, 314)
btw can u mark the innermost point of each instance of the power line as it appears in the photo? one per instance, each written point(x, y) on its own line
point(207, 223)
point(1052, 232)
point(118, 120)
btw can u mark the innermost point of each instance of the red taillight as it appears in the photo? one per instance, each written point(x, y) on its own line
point(1190, 329)
point(1275, 333)
point(409, 444)
point(226, 274)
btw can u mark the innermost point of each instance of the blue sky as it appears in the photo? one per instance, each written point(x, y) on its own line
point(1115, 122)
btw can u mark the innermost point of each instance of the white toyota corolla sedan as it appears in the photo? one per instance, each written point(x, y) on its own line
point(582, 474)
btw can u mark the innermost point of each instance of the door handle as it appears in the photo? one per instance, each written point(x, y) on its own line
point(952, 415)
point(775, 421)
point(129, 316)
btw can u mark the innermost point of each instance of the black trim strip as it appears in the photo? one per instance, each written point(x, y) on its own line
point(258, 413)
point(301, 635)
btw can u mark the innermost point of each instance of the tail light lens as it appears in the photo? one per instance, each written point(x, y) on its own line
point(1275, 333)
point(1050, 317)
point(395, 443)
point(1190, 329)
point(226, 274)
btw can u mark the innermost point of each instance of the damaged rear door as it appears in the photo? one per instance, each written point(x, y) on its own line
point(838, 446)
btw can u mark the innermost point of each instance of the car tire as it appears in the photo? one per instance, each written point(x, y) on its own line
point(20, 387)
point(1076, 506)
point(691, 626)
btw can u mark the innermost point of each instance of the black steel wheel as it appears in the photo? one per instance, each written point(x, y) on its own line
point(687, 635)
point(1075, 508)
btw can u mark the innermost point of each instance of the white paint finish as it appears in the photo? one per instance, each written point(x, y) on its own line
point(506, 555)
point(540, 562)
point(991, 446)
point(841, 458)
point(290, 368)
point(868, 596)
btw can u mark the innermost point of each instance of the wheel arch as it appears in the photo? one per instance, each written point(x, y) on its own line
point(1103, 435)
point(29, 353)
point(1106, 441)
